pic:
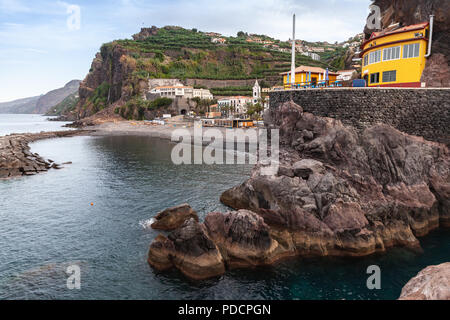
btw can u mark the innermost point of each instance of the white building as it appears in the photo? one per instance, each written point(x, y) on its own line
point(312, 55)
point(203, 94)
point(238, 104)
point(173, 91)
point(346, 75)
point(181, 91)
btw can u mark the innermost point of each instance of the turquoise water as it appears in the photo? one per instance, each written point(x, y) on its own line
point(47, 223)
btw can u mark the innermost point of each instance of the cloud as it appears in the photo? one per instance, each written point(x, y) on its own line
point(319, 20)
point(13, 6)
point(40, 53)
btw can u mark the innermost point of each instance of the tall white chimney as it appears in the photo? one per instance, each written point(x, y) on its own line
point(293, 52)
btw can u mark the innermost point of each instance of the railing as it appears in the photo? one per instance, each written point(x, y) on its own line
point(313, 85)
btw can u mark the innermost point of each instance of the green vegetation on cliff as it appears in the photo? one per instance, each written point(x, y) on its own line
point(66, 106)
point(136, 107)
point(174, 52)
point(120, 71)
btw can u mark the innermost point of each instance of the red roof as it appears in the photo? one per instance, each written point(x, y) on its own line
point(309, 69)
point(395, 29)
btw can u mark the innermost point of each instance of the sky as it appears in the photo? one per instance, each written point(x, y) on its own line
point(44, 44)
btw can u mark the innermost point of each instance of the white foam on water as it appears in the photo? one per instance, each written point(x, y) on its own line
point(146, 224)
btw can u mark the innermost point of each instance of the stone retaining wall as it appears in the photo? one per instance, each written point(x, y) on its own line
point(420, 112)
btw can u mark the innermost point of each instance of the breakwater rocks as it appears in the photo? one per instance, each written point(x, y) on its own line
point(432, 283)
point(16, 159)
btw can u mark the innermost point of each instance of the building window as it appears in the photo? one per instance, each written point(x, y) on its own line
point(391, 53)
point(375, 57)
point(375, 78)
point(390, 76)
point(411, 50)
point(366, 60)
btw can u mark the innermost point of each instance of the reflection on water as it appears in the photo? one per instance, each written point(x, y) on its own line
point(47, 222)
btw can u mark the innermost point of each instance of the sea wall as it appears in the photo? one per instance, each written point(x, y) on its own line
point(421, 112)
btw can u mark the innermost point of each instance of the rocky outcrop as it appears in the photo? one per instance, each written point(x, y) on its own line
point(232, 240)
point(339, 191)
point(173, 218)
point(145, 33)
point(406, 12)
point(109, 79)
point(190, 250)
point(243, 239)
point(432, 283)
point(16, 159)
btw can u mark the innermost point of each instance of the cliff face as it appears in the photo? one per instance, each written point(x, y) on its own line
point(407, 12)
point(108, 80)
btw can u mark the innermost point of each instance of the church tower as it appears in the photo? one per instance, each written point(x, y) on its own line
point(256, 92)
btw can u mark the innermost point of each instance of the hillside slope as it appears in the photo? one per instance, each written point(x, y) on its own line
point(43, 103)
point(52, 98)
point(66, 107)
point(26, 105)
point(122, 67)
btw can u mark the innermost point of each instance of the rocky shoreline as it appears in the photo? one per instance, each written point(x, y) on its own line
point(16, 159)
point(337, 192)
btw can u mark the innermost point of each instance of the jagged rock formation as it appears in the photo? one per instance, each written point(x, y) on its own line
point(145, 33)
point(190, 250)
point(243, 239)
point(111, 69)
point(432, 283)
point(16, 159)
point(232, 240)
point(173, 218)
point(406, 12)
point(342, 192)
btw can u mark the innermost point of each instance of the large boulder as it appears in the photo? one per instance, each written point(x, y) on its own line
point(243, 238)
point(173, 218)
point(432, 283)
point(190, 250)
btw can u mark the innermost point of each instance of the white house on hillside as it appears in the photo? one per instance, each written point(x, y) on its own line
point(203, 94)
point(181, 91)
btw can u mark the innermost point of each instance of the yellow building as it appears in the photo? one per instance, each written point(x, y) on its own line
point(395, 57)
point(303, 74)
